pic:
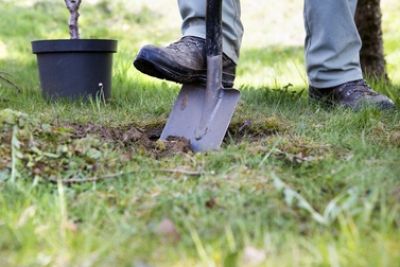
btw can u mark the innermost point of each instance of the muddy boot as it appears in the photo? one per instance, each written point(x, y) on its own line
point(183, 61)
point(354, 95)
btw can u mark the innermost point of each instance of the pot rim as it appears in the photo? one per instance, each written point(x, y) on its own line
point(74, 45)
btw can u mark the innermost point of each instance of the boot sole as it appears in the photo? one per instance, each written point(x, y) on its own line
point(149, 63)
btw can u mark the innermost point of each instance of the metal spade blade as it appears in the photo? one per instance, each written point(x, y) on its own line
point(187, 114)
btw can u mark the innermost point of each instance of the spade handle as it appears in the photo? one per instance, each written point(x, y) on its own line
point(214, 28)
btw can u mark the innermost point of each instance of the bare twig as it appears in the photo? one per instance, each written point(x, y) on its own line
point(89, 179)
point(116, 175)
point(73, 7)
point(3, 78)
point(184, 172)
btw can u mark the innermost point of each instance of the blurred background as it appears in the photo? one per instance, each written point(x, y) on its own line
point(272, 51)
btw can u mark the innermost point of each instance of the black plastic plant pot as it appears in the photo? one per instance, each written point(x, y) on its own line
point(75, 69)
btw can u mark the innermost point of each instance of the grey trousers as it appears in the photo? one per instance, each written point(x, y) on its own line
point(332, 44)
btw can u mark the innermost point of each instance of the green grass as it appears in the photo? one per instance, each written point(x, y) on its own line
point(300, 186)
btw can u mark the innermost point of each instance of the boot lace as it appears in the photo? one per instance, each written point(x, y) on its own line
point(360, 87)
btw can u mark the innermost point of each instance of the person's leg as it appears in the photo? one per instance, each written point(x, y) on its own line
point(193, 13)
point(332, 50)
point(185, 60)
point(332, 42)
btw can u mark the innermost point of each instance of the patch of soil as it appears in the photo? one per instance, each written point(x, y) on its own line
point(132, 135)
point(148, 136)
point(123, 135)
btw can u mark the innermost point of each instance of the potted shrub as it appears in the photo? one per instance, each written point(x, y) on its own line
point(75, 68)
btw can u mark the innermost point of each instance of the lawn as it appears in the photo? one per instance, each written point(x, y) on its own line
point(88, 184)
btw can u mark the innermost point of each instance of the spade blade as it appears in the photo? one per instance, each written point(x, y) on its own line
point(186, 116)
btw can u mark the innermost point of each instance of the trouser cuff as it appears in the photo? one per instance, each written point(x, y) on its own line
point(336, 79)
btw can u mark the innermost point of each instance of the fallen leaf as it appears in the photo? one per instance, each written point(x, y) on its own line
point(167, 230)
point(253, 256)
point(26, 215)
point(71, 226)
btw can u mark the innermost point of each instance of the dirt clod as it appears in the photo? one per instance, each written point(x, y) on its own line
point(395, 138)
point(172, 146)
point(211, 203)
point(178, 144)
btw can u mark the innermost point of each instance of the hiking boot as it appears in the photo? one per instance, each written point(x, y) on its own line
point(184, 61)
point(354, 95)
